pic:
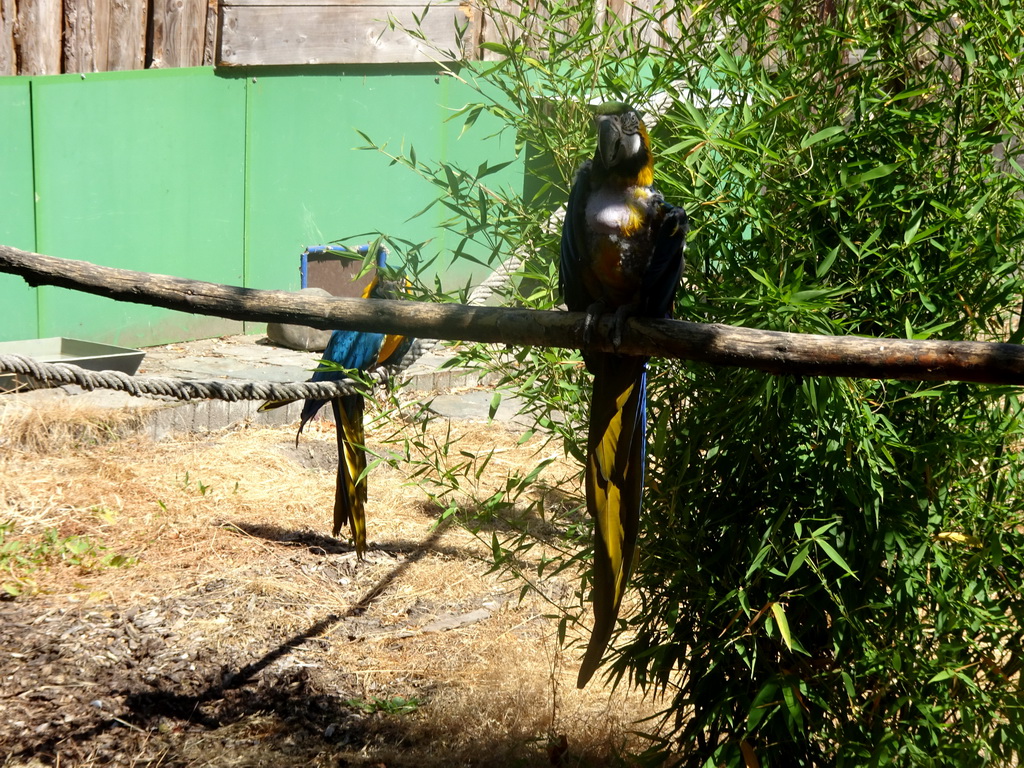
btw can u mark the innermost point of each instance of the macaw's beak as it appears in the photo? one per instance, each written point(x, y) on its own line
point(609, 142)
point(614, 146)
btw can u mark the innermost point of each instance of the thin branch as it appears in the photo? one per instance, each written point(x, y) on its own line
point(772, 351)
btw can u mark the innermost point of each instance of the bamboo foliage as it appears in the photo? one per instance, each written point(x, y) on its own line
point(829, 569)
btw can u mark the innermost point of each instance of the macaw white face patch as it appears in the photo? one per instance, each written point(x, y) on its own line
point(631, 144)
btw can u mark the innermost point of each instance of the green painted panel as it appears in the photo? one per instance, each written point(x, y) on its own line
point(17, 223)
point(308, 183)
point(145, 171)
point(218, 176)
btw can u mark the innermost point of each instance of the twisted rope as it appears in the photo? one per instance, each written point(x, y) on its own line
point(159, 387)
point(60, 374)
point(495, 282)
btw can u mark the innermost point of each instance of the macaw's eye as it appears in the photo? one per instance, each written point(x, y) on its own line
point(630, 122)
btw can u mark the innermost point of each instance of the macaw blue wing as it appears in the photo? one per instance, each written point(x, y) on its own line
point(354, 351)
point(572, 263)
point(666, 267)
point(359, 351)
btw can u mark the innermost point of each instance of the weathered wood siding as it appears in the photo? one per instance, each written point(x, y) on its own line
point(104, 35)
point(336, 31)
point(52, 36)
point(7, 57)
point(42, 37)
point(37, 36)
point(179, 33)
point(45, 37)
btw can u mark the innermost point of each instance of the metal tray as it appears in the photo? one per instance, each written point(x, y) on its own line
point(90, 355)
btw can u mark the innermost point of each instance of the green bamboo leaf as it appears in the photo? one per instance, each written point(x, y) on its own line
point(943, 675)
point(500, 48)
point(536, 64)
point(798, 561)
point(834, 556)
point(763, 279)
point(969, 53)
point(826, 264)
point(763, 704)
point(825, 133)
point(780, 618)
point(878, 172)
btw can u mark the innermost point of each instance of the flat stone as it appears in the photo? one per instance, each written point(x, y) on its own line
point(476, 404)
point(445, 623)
point(300, 336)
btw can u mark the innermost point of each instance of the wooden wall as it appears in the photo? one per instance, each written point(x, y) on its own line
point(285, 32)
point(47, 37)
point(40, 37)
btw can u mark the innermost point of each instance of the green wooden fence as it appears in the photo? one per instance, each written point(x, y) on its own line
point(215, 176)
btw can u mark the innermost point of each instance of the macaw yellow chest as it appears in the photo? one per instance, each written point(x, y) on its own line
point(619, 226)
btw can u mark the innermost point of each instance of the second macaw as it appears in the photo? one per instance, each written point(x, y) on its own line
point(622, 252)
point(359, 351)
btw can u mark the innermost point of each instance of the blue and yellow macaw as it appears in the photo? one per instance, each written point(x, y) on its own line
point(622, 251)
point(359, 351)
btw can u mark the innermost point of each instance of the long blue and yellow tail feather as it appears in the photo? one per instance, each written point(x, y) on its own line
point(616, 452)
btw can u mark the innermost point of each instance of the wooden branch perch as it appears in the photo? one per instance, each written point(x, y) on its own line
point(772, 351)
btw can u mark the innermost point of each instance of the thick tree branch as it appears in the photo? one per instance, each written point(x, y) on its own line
point(772, 351)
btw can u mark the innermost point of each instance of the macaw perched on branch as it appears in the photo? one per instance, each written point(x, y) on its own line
point(359, 351)
point(622, 251)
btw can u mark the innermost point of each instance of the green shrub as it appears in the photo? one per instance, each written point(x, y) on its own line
point(831, 569)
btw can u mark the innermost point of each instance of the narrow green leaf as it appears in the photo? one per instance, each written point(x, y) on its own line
point(943, 675)
point(763, 279)
point(834, 556)
point(798, 561)
point(969, 53)
point(535, 63)
point(824, 133)
point(500, 48)
point(878, 172)
point(762, 705)
point(780, 617)
point(826, 264)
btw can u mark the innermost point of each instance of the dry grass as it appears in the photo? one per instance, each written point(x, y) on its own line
point(227, 531)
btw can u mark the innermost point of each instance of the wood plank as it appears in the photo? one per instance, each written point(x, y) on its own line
point(38, 39)
point(333, 34)
point(86, 29)
point(417, 4)
point(178, 33)
point(210, 41)
point(126, 46)
point(8, 61)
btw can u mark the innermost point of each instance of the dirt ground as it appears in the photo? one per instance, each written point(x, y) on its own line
point(180, 603)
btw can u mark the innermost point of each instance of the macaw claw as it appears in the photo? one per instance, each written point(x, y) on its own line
point(593, 315)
